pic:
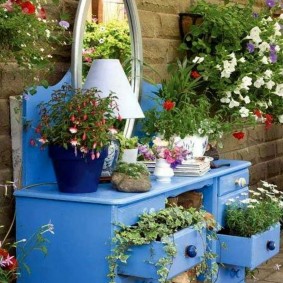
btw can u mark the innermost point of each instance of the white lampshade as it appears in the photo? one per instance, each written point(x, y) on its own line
point(108, 75)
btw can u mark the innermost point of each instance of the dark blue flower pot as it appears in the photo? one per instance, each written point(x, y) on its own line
point(76, 174)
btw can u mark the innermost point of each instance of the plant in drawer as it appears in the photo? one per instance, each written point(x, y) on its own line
point(162, 244)
point(252, 231)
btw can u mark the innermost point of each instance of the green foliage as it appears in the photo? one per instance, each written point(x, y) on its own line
point(27, 38)
point(77, 118)
point(256, 214)
point(127, 143)
point(10, 266)
point(157, 226)
point(190, 112)
point(109, 40)
point(133, 170)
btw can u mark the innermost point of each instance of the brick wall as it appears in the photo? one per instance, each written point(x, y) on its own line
point(160, 31)
point(12, 83)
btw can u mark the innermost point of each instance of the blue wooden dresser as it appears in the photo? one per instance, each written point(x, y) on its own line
point(85, 223)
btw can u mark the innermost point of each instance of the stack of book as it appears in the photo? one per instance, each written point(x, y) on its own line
point(192, 167)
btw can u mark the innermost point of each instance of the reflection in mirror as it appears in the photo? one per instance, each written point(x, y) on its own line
point(107, 35)
point(108, 29)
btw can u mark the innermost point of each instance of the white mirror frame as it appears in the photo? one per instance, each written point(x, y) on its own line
point(136, 46)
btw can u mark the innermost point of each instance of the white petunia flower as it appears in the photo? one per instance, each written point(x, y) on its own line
point(225, 100)
point(259, 82)
point(247, 99)
point(280, 118)
point(254, 35)
point(270, 84)
point(242, 60)
point(244, 112)
point(246, 82)
point(263, 47)
point(277, 29)
point(279, 90)
point(198, 60)
point(233, 103)
point(264, 60)
point(267, 74)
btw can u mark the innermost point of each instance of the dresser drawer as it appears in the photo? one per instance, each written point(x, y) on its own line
point(248, 252)
point(128, 214)
point(232, 182)
point(142, 260)
point(230, 273)
point(222, 201)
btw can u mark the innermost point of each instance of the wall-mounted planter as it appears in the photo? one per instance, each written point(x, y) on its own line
point(249, 252)
point(190, 249)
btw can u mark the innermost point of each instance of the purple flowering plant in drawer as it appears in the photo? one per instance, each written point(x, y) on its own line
point(252, 232)
point(163, 244)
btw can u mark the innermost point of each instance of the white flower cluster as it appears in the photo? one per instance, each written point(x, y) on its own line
point(267, 191)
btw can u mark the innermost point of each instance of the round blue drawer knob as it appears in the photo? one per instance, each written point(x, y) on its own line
point(271, 245)
point(235, 273)
point(191, 251)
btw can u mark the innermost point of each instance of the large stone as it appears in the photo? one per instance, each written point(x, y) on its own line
point(125, 183)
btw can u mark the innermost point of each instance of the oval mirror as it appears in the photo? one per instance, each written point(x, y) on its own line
point(135, 59)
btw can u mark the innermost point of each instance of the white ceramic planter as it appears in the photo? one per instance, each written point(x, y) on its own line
point(162, 171)
point(130, 155)
point(196, 145)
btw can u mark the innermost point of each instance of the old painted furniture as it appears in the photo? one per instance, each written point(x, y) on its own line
point(85, 223)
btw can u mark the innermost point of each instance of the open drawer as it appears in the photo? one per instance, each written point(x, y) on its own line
point(190, 246)
point(249, 252)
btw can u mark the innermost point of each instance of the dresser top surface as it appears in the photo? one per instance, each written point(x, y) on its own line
point(107, 195)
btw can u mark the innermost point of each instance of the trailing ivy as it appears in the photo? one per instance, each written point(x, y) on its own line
point(159, 226)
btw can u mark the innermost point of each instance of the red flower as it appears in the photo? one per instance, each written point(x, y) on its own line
point(195, 74)
point(27, 7)
point(268, 121)
point(258, 113)
point(42, 14)
point(238, 135)
point(168, 105)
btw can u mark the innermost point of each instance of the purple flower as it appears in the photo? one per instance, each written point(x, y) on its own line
point(270, 3)
point(255, 15)
point(250, 47)
point(64, 24)
point(273, 57)
point(272, 47)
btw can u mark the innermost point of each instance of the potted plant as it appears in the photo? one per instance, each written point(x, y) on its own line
point(166, 154)
point(239, 61)
point(128, 148)
point(252, 228)
point(157, 244)
point(131, 177)
point(76, 125)
point(181, 110)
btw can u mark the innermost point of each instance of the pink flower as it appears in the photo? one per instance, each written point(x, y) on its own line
point(73, 130)
point(74, 142)
point(84, 149)
point(8, 5)
point(42, 140)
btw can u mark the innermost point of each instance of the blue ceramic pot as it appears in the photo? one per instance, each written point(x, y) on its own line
point(76, 174)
